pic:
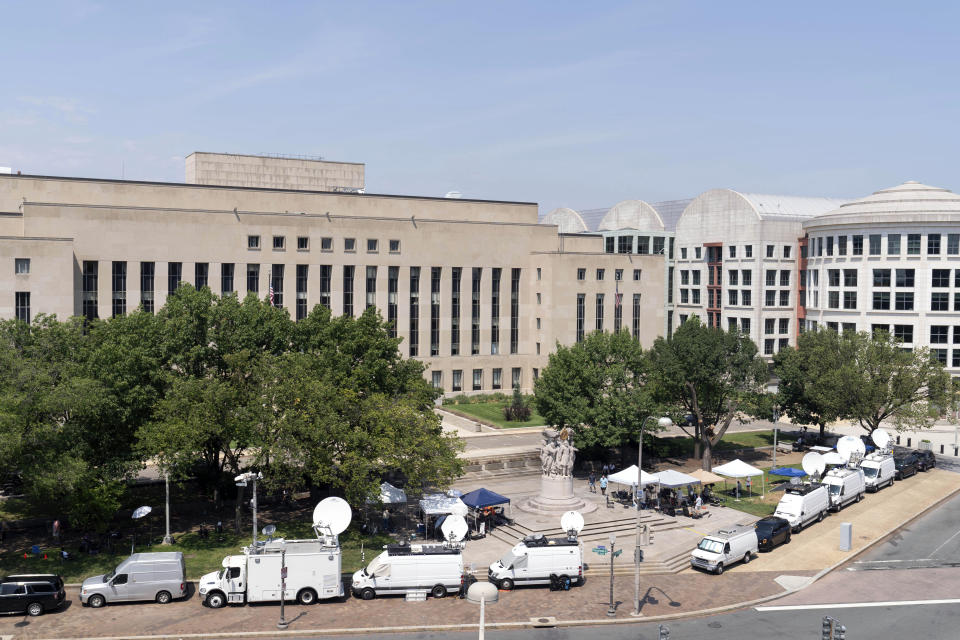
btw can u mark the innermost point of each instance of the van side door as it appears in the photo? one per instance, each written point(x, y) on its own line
point(118, 587)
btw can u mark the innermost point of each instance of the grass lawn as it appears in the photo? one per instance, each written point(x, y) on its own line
point(682, 446)
point(202, 556)
point(755, 505)
point(492, 412)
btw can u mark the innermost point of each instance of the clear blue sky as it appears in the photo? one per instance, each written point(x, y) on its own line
point(563, 103)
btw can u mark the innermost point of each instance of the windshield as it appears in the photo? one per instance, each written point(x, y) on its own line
point(835, 489)
point(108, 577)
point(713, 546)
point(870, 472)
point(507, 561)
point(220, 574)
point(375, 563)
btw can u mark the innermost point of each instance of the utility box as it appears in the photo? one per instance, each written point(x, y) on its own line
point(846, 536)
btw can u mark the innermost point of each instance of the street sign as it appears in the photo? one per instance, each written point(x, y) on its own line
point(600, 547)
point(283, 573)
point(600, 550)
point(617, 552)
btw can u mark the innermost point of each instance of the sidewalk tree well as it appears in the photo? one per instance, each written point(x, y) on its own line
point(597, 388)
point(711, 374)
point(814, 380)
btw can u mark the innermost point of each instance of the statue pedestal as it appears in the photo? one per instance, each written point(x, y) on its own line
point(556, 497)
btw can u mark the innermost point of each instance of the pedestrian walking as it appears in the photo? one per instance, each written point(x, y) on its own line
point(592, 480)
point(603, 485)
point(56, 532)
point(698, 503)
point(386, 520)
point(605, 470)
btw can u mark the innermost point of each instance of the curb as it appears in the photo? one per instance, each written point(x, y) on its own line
point(524, 625)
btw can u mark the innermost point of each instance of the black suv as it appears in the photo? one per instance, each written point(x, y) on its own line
point(906, 465)
point(31, 593)
point(772, 531)
point(926, 459)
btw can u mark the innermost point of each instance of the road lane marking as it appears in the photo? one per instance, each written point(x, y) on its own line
point(945, 543)
point(879, 561)
point(852, 605)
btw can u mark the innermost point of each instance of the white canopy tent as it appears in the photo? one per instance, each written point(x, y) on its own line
point(672, 479)
point(628, 476)
point(390, 494)
point(740, 469)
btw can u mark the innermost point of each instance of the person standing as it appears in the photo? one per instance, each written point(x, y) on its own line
point(698, 504)
point(386, 520)
point(592, 480)
point(603, 485)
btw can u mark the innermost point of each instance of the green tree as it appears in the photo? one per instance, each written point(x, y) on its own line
point(713, 375)
point(597, 388)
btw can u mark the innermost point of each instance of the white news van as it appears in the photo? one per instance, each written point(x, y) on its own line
point(725, 547)
point(846, 486)
point(539, 560)
point(801, 504)
point(406, 568)
point(878, 470)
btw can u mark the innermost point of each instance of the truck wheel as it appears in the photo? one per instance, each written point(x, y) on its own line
point(859, 496)
point(216, 600)
point(506, 584)
point(719, 569)
point(164, 597)
point(96, 601)
point(368, 594)
point(565, 583)
point(438, 591)
point(307, 596)
point(746, 558)
point(35, 609)
point(787, 540)
point(820, 517)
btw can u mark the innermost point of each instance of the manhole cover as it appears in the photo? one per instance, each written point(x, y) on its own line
point(543, 620)
point(714, 625)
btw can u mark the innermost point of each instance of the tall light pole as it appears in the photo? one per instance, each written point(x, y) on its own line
point(664, 423)
point(612, 611)
point(166, 538)
point(241, 481)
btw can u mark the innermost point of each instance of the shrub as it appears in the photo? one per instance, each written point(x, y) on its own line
point(517, 410)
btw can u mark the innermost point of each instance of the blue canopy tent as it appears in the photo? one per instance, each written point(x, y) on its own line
point(480, 498)
point(788, 471)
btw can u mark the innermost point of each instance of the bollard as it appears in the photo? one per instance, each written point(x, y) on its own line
point(846, 536)
point(908, 442)
point(941, 449)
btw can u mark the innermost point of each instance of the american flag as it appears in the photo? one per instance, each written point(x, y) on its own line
point(271, 295)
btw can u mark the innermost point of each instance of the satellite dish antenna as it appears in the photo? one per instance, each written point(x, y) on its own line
point(459, 508)
point(454, 528)
point(333, 514)
point(832, 457)
point(850, 447)
point(813, 464)
point(140, 512)
point(572, 522)
point(880, 438)
point(269, 530)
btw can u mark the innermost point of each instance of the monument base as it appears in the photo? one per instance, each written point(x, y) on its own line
point(556, 497)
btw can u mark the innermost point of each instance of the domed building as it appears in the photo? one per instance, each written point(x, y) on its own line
point(890, 262)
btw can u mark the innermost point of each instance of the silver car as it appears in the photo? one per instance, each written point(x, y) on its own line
point(160, 577)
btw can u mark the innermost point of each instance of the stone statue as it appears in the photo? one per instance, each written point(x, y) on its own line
point(557, 454)
point(548, 451)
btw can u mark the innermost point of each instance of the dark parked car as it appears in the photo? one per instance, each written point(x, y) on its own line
point(772, 531)
point(926, 458)
point(31, 593)
point(906, 465)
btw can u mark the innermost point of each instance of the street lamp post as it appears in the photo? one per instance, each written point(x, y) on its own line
point(664, 423)
point(612, 611)
point(166, 538)
point(241, 481)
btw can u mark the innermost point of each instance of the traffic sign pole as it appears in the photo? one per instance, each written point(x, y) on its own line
point(283, 588)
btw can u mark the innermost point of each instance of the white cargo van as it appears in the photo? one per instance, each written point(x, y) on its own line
point(878, 470)
point(406, 568)
point(846, 486)
point(801, 504)
point(724, 548)
point(160, 577)
point(539, 560)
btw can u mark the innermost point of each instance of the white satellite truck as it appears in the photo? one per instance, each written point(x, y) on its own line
point(847, 484)
point(304, 570)
point(878, 467)
point(416, 568)
point(541, 560)
point(804, 503)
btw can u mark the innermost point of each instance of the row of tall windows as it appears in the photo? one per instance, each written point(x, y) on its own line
point(896, 244)
point(496, 378)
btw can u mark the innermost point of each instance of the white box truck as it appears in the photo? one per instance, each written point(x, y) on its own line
point(406, 568)
point(846, 486)
point(802, 504)
point(878, 470)
point(539, 560)
point(725, 547)
point(313, 567)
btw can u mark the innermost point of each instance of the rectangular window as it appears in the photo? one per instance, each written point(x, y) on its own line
point(783, 344)
point(326, 244)
point(696, 278)
point(732, 277)
point(350, 245)
point(599, 274)
point(905, 277)
point(940, 355)
point(618, 274)
point(436, 379)
point(683, 253)
point(456, 274)
point(599, 310)
point(849, 299)
point(875, 244)
point(147, 277)
point(373, 245)
point(768, 345)
point(89, 283)
point(913, 244)
point(833, 326)
point(881, 277)
point(940, 301)
point(939, 334)
point(771, 277)
point(858, 245)
point(785, 297)
point(747, 277)
point(732, 297)
point(955, 358)
point(477, 379)
point(695, 296)
point(226, 278)
point(636, 274)
point(833, 277)
point(326, 282)
point(119, 287)
point(643, 245)
point(770, 298)
point(515, 377)
point(302, 271)
point(849, 277)
point(475, 312)
point(698, 252)
point(624, 244)
point(877, 329)
point(253, 242)
point(276, 285)
point(201, 275)
point(394, 246)
point(748, 251)
point(903, 332)
point(636, 315)
point(770, 250)
point(784, 278)
point(497, 378)
point(21, 266)
point(731, 324)
point(904, 301)
point(684, 277)
point(658, 245)
point(609, 244)
point(941, 278)
point(279, 243)
point(881, 300)
point(829, 245)
point(893, 244)
point(348, 272)
point(415, 323)
point(21, 302)
point(933, 244)
point(732, 249)
point(617, 313)
point(784, 324)
point(956, 334)
point(253, 278)
point(515, 310)
point(956, 302)
point(581, 274)
point(372, 287)
point(393, 286)
point(953, 244)
point(769, 325)
point(841, 245)
point(833, 300)
point(435, 274)
point(303, 243)
point(174, 276)
point(581, 315)
point(684, 296)
point(458, 379)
